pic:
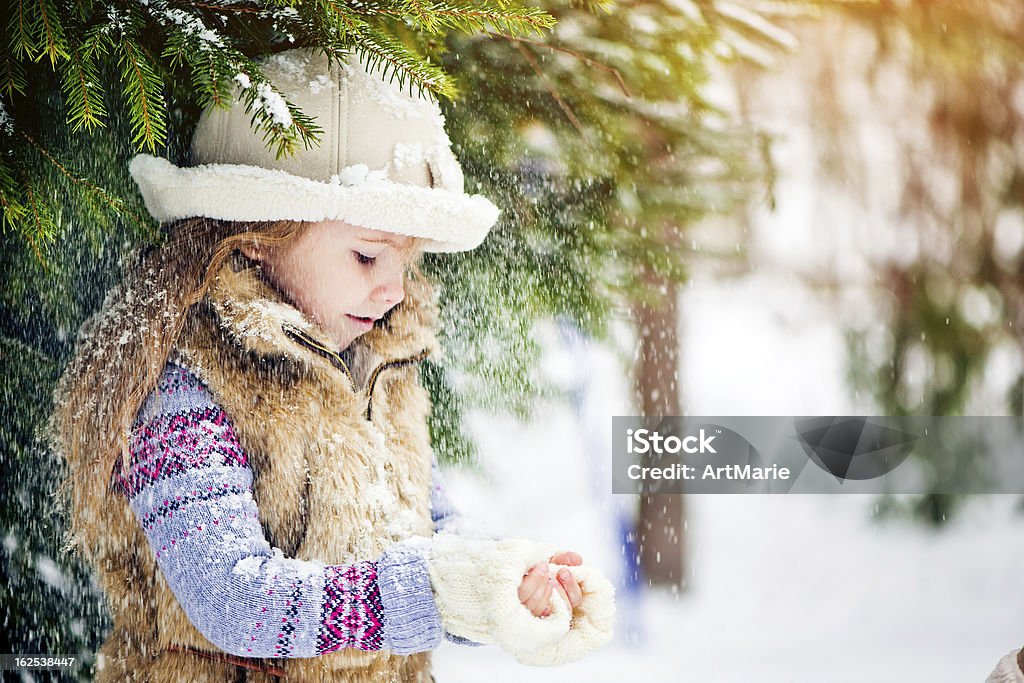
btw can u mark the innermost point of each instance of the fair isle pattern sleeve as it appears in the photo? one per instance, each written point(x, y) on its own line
point(189, 484)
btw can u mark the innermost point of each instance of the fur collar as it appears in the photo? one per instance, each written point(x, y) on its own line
point(257, 317)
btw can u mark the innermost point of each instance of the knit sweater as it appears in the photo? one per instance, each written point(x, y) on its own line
point(189, 484)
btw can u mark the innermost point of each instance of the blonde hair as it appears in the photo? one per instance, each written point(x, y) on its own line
point(121, 351)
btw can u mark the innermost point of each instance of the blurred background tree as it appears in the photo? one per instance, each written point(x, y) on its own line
point(596, 140)
point(958, 296)
point(917, 108)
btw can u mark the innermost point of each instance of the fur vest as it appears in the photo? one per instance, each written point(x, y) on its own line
point(341, 460)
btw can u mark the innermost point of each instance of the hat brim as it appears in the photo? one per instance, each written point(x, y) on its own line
point(447, 221)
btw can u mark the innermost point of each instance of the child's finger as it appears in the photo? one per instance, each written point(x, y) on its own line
point(568, 558)
point(538, 602)
point(560, 590)
point(571, 587)
point(533, 587)
point(534, 579)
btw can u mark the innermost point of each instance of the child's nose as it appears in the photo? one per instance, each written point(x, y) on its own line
point(391, 290)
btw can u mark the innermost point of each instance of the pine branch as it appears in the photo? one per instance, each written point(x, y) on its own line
point(41, 218)
point(284, 139)
point(10, 197)
point(12, 75)
point(143, 87)
point(19, 31)
point(90, 189)
point(593, 6)
point(341, 31)
point(49, 31)
point(210, 75)
point(83, 9)
point(191, 24)
point(550, 87)
point(337, 23)
point(29, 210)
point(11, 192)
point(583, 58)
point(215, 66)
point(210, 79)
point(382, 50)
point(394, 59)
point(433, 17)
point(80, 81)
point(283, 124)
point(211, 60)
point(229, 8)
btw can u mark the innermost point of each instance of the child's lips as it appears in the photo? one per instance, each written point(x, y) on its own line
point(364, 323)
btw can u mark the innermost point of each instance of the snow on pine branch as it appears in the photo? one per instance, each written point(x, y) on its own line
point(280, 120)
point(271, 102)
point(208, 54)
point(194, 27)
point(190, 25)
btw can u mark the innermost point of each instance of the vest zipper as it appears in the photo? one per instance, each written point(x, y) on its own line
point(305, 340)
point(384, 366)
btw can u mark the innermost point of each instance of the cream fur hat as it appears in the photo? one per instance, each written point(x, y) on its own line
point(384, 161)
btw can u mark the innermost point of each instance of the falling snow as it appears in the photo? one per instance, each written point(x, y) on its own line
point(50, 573)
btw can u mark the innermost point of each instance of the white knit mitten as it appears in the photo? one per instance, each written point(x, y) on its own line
point(1008, 670)
point(592, 621)
point(476, 588)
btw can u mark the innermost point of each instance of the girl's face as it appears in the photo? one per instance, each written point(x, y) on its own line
point(341, 276)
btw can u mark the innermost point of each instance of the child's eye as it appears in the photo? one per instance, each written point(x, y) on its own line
point(364, 259)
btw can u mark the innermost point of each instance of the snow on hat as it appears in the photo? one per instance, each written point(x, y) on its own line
point(384, 161)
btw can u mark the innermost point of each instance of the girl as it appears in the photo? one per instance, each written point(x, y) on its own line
point(249, 460)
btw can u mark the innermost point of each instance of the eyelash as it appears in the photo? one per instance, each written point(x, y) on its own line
point(364, 259)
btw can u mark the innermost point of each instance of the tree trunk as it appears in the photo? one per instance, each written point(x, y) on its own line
point(660, 530)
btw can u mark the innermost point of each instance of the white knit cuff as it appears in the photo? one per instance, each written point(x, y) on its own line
point(476, 584)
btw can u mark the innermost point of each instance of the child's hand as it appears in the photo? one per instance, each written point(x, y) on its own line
point(537, 586)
